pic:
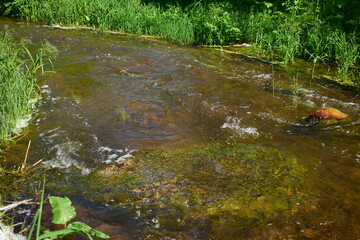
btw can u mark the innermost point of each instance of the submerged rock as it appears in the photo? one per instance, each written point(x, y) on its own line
point(326, 113)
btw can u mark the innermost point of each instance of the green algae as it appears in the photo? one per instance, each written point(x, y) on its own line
point(18, 181)
point(201, 186)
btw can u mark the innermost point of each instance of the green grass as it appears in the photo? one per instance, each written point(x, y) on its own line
point(279, 31)
point(18, 81)
point(346, 53)
point(316, 45)
point(125, 15)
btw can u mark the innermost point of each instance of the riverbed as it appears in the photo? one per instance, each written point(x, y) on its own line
point(115, 103)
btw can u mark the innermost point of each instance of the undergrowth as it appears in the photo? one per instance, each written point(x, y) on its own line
point(279, 30)
point(18, 81)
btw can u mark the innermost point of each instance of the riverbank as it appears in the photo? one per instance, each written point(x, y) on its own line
point(18, 78)
point(278, 32)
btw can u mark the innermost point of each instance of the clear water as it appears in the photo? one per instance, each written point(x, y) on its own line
point(114, 95)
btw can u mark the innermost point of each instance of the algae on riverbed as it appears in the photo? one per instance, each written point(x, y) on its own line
point(205, 184)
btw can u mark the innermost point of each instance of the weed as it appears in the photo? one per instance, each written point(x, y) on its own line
point(18, 81)
point(316, 45)
point(279, 30)
point(346, 53)
point(214, 23)
point(63, 212)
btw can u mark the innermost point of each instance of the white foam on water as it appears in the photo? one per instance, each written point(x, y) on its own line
point(115, 155)
point(21, 124)
point(33, 102)
point(45, 89)
point(64, 157)
point(55, 99)
point(214, 106)
point(264, 115)
point(234, 123)
point(263, 76)
point(104, 149)
point(123, 158)
point(24, 122)
point(328, 100)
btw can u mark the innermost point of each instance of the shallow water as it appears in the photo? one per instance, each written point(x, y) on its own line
point(114, 95)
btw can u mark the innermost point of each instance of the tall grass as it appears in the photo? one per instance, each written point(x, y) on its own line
point(317, 45)
point(284, 35)
point(196, 24)
point(277, 32)
point(346, 53)
point(281, 30)
point(18, 82)
point(214, 23)
point(124, 15)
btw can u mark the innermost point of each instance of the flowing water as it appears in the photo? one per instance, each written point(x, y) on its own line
point(115, 96)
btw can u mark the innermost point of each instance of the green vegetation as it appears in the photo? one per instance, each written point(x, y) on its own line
point(208, 184)
point(21, 182)
point(320, 31)
point(63, 212)
point(125, 15)
point(12, 180)
point(18, 81)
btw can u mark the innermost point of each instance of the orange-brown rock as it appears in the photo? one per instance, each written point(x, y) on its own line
point(326, 113)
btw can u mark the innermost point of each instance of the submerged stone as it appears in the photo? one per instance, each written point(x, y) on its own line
point(326, 113)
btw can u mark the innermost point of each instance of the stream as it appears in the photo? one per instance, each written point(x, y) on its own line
point(116, 103)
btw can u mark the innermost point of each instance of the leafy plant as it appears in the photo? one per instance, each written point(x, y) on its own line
point(63, 212)
point(214, 23)
point(278, 30)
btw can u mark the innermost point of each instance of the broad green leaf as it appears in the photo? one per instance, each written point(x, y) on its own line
point(98, 234)
point(79, 226)
point(55, 234)
point(62, 209)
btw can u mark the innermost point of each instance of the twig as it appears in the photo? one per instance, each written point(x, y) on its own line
point(15, 205)
point(36, 163)
point(26, 156)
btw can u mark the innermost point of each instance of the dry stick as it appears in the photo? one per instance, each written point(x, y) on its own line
point(26, 156)
point(14, 225)
point(15, 204)
point(35, 163)
point(24, 230)
point(17, 137)
point(21, 135)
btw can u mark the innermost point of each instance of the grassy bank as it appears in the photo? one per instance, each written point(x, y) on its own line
point(18, 82)
point(279, 30)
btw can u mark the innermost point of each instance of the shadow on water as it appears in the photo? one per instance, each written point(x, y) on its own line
point(159, 141)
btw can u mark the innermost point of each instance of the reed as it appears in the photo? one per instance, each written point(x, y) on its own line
point(316, 45)
point(278, 30)
point(214, 23)
point(288, 39)
point(346, 53)
point(18, 82)
point(277, 33)
point(196, 24)
point(131, 16)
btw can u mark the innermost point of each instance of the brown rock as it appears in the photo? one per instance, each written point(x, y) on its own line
point(326, 113)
